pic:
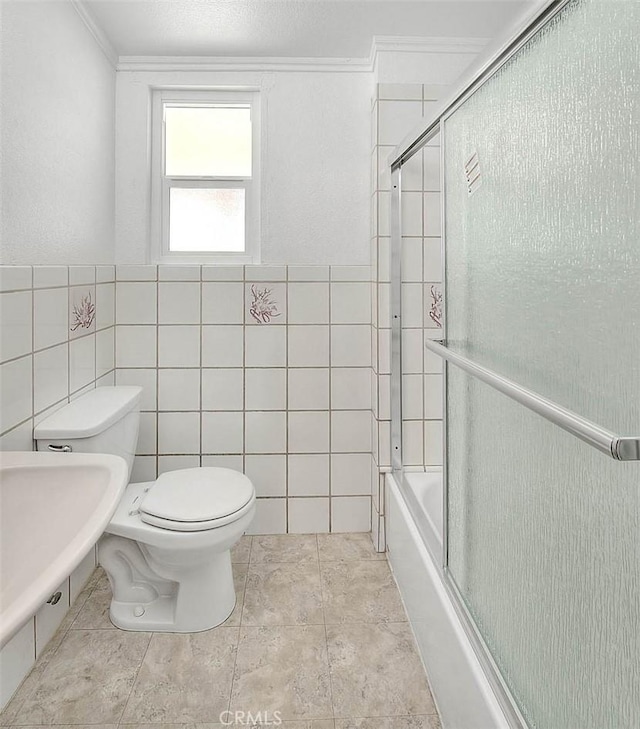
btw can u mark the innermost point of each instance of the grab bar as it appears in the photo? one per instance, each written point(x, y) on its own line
point(621, 448)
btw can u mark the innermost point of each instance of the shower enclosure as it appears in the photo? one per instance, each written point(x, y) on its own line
point(539, 538)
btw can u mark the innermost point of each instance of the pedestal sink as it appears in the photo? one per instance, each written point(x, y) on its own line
point(54, 507)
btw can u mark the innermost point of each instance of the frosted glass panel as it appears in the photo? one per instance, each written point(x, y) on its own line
point(544, 544)
point(206, 219)
point(207, 141)
point(543, 286)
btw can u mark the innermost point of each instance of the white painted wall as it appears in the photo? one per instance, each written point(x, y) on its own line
point(57, 161)
point(315, 165)
point(442, 66)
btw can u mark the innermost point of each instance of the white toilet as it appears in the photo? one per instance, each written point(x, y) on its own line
point(166, 549)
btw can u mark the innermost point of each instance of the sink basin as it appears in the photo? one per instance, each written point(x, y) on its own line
point(54, 507)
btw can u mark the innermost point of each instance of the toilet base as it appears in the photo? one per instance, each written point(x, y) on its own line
point(158, 617)
point(150, 594)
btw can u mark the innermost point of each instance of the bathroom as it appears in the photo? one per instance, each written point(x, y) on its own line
point(432, 523)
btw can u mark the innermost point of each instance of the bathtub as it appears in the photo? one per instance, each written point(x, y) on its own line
point(461, 689)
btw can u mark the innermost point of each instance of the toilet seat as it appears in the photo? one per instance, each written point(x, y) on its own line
point(196, 499)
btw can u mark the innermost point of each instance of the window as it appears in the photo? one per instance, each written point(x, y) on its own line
point(205, 176)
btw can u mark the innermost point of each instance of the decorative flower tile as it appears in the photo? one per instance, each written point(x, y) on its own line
point(82, 310)
point(265, 303)
point(434, 302)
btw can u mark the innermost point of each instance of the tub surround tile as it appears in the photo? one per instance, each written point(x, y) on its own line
point(284, 548)
point(360, 592)
point(76, 688)
point(360, 687)
point(283, 667)
point(185, 677)
point(283, 594)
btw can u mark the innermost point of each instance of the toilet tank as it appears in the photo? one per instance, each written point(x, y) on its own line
point(104, 420)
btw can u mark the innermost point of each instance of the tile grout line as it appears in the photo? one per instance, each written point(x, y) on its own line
point(135, 679)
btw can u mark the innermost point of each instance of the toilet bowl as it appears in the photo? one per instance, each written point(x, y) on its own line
point(166, 551)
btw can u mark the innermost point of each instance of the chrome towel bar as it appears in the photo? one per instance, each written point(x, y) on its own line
point(621, 448)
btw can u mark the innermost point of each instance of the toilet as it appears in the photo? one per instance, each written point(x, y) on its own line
point(166, 550)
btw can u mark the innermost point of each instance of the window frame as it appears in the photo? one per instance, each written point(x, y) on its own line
point(161, 184)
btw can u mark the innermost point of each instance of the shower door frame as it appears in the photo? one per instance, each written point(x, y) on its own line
point(414, 143)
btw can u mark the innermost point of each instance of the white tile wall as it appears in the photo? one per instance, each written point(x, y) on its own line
point(288, 401)
point(396, 110)
point(45, 359)
point(220, 388)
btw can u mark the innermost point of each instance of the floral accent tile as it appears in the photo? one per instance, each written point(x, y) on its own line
point(82, 310)
point(435, 307)
point(265, 303)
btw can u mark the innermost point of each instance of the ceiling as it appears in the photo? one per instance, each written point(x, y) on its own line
point(290, 28)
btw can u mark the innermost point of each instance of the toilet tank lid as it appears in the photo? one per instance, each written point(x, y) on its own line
point(90, 414)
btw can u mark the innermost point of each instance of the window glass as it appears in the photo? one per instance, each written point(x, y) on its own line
point(207, 219)
point(207, 141)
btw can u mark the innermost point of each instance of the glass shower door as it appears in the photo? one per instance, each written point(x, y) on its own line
point(542, 225)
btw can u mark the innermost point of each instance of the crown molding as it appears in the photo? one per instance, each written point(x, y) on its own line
point(380, 44)
point(96, 31)
point(227, 63)
point(417, 44)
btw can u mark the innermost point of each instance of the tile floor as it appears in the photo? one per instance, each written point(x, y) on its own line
point(318, 634)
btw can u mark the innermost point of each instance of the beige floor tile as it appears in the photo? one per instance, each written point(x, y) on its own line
point(239, 582)
point(242, 721)
point(94, 614)
point(161, 726)
point(75, 726)
point(285, 548)
point(360, 592)
point(11, 710)
point(87, 680)
point(241, 550)
point(185, 677)
point(376, 671)
point(394, 722)
point(347, 547)
point(283, 669)
point(283, 594)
